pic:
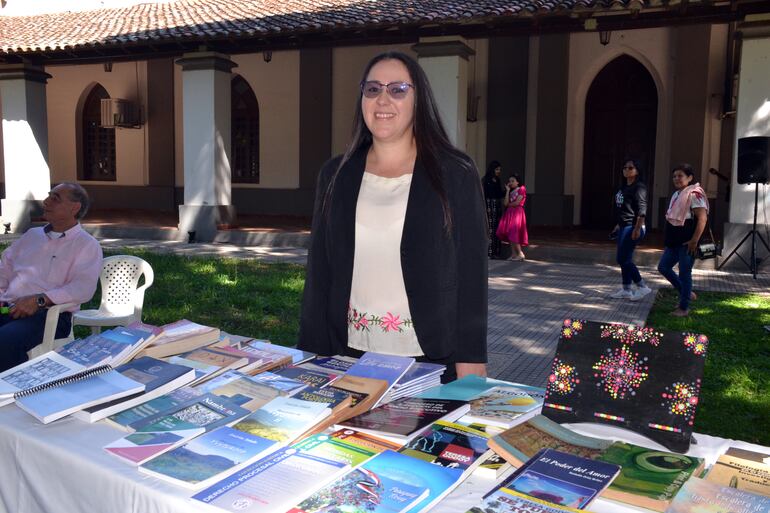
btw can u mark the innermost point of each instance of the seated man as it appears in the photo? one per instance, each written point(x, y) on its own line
point(55, 264)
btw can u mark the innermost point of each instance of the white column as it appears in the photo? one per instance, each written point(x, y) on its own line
point(25, 143)
point(206, 125)
point(446, 64)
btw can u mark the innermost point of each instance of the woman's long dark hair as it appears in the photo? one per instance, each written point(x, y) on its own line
point(491, 170)
point(430, 137)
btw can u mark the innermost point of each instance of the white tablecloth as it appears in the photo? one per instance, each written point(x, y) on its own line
point(61, 468)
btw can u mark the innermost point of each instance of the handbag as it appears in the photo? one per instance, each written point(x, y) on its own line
point(708, 249)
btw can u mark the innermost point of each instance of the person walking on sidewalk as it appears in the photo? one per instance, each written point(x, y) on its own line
point(685, 221)
point(630, 210)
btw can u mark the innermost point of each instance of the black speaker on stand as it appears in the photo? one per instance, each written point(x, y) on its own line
point(753, 167)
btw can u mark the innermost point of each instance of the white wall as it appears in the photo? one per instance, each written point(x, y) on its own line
point(712, 124)
point(753, 119)
point(69, 85)
point(276, 86)
point(478, 74)
point(651, 47)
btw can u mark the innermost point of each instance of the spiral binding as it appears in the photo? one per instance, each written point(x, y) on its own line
point(96, 371)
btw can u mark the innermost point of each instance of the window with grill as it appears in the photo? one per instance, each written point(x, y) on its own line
point(98, 143)
point(244, 134)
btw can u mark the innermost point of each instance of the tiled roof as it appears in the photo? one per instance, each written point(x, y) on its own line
point(195, 20)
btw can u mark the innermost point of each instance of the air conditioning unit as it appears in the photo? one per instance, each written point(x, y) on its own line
point(118, 113)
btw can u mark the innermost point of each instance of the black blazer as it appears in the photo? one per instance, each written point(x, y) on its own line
point(445, 272)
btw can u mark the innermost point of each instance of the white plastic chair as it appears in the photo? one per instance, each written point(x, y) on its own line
point(49, 343)
point(122, 298)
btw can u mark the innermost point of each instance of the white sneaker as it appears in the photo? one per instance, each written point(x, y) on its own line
point(622, 294)
point(640, 292)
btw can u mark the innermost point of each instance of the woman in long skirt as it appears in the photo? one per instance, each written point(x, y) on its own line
point(513, 226)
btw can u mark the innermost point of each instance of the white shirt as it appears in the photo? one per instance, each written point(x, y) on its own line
point(378, 315)
point(695, 202)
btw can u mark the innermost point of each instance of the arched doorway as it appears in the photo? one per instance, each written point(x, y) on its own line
point(244, 132)
point(98, 162)
point(620, 123)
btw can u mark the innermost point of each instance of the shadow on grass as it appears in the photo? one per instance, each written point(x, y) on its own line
point(735, 396)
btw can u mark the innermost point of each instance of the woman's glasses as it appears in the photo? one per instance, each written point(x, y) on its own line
point(396, 90)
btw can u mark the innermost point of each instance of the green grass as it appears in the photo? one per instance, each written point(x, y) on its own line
point(735, 396)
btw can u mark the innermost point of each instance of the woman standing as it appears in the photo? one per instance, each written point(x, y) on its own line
point(493, 194)
point(398, 256)
point(513, 227)
point(685, 221)
point(631, 211)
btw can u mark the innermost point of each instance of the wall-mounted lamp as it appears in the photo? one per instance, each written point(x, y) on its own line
point(108, 66)
point(604, 37)
point(267, 55)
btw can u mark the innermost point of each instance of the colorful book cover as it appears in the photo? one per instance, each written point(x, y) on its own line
point(171, 428)
point(701, 496)
point(247, 393)
point(297, 355)
point(742, 469)
point(562, 478)
point(205, 458)
point(471, 386)
point(344, 450)
point(307, 376)
point(506, 500)
point(492, 466)
point(381, 485)
point(127, 418)
point(272, 484)
point(283, 418)
point(334, 399)
point(366, 440)
point(648, 474)
point(521, 442)
point(499, 406)
point(287, 385)
point(633, 377)
point(381, 366)
point(101, 348)
point(449, 445)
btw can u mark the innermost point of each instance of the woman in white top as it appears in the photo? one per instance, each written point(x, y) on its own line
point(398, 257)
point(685, 222)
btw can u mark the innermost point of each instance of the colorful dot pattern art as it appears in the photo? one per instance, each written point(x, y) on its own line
point(563, 378)
point(682, 399)
point(571, 327)
point(697, 344)
point(620, 372)
point(630, 334)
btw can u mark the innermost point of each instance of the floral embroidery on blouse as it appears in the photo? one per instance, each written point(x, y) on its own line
point(363, 321)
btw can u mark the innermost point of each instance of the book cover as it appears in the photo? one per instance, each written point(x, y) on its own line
point(101, 348)
point(471, 386)
point(649, 478)
point(342, 449)
point(380, 485)
point(283, 418)
point(403, 418)
point(179, 337)
point(372, 442)
point(561, 478)
point(492, 466)
point(245, 392)
point(521, 442)
point(297, 355)
point(264, 359)
point(125, 419)
point(43, 369)
point(499, 406)
point(742, 469)
point(307, 376)
point(333, 364)
point(364, 392)
point(380, 366)
point(286, 385)
point(449, 445)
point(162, 432)
point(633, 377)
point(215, 356)
point(158, 378)
point(334, 398)
point(204, 459)
point(272, 484)
point(701, 496)
point(505, 500)
point(58, 402)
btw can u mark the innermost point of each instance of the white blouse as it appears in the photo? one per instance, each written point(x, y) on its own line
point(378, 314)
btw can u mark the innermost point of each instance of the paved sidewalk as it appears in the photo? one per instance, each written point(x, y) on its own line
point(527, 300)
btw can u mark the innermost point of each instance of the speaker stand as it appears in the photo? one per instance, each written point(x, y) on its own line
point(754, 234)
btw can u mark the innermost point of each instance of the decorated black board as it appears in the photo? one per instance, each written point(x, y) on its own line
point(628, 376)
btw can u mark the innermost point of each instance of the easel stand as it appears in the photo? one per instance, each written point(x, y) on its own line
point(754, 234)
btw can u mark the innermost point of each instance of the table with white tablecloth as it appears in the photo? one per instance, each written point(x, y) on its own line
point(61, 468)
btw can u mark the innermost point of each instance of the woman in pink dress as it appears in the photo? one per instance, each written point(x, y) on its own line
point(513, 226)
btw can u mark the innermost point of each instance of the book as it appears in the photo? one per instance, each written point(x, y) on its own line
point(380, 485)
point(702, 496)
point(286, 385)
point(179, 337)
point(633, 377)
point(334, 364)
point(298, 356)
point(163, 431)
point(420, 376)
point(158, 377)
point(272, 484)
point(380, 366)
point(471, 386)
point(203, 371)
point(492, 466)
point(245, 392)
point(403, 419)
point(562, 479)
point(126, 419)
point(36, 373)
point(308, 376)
point(254, 362)
point(264, 359)
point(505, 500)
point(742, 469)
point(365, 440)
point(449, 445)
point(57, 402)
point(650, 478)
point(284, 418)
point(107, 347)
point(501, 405)
point(364, 392)
point(347, 447)
point(218, 357)
point(521, 442)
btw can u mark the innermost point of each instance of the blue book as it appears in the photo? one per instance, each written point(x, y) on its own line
point(125, 419)
point(284, 384)
point(158, 376)
point(561, 478)
point(381, 366)
point(471, 386)
point(58, 402)
point(102, 348)
point(297, 355)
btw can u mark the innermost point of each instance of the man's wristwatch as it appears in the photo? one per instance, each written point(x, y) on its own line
point(40, 301)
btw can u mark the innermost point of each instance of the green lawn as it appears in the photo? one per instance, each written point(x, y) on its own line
point(735, 397)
